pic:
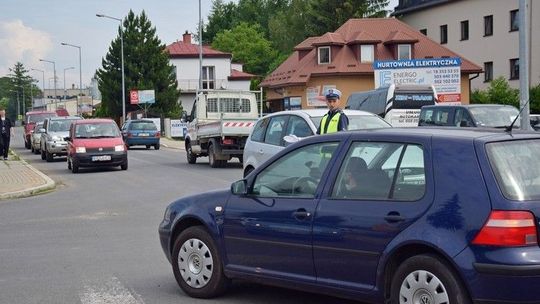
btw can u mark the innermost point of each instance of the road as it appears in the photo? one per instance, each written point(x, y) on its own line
point(94, 239)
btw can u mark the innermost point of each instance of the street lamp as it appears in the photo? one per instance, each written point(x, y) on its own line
point(80, 73)
point(54, 70)
point(122, 58)
point(70, 68)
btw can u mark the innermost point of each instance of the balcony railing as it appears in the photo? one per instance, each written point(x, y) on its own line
point(190, 85)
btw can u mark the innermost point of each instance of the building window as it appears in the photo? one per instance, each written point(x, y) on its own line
point(404, 51)
point(367, 53)
point(465, 30)
point(324, 55)
point(424, 32)
point(514, 68)
point(208, 78)
point(444, 34)
point(488, 25)
point(488, 71)
point(514, 20)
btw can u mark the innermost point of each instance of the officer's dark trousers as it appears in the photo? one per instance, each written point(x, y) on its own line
point(4, 146)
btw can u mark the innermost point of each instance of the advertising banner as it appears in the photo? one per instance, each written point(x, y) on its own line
point(178, 128)
point(141, 97)
point(443, 73)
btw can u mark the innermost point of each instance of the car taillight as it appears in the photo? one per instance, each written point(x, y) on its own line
point(130, 134)
point(158, 134)
point(508, 229)
point(228, 141)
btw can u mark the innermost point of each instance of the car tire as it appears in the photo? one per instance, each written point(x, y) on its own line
point(32, 149)
point(48, 156)
point(43, 156)
point(191, 158)
point(156, 146)
point(147, 146)
point(27, 144)
point(427, 279)
point(196, 263)
point(124, 166)
point(74, 166)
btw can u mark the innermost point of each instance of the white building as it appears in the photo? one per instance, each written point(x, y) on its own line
point(219, 72)
point(484, 31)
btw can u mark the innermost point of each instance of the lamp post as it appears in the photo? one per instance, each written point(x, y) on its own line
point(80, 73)
point(54, 70)
point(122, 59)
point(70, 68)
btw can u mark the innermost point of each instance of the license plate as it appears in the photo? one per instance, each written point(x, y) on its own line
point(101, 158)
point(144, 134)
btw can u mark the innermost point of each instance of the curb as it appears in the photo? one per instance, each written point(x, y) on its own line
point(49, 184)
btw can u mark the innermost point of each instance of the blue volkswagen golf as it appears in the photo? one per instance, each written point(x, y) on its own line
point(421, 215)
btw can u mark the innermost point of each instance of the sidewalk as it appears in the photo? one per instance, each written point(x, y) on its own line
point(20, 179)
point(172, 143)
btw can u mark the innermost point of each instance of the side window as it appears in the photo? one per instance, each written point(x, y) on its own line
point(298, 127)
point(274, 133)
point(297, 173)
point(259, 130)
point(370, 168)
point(463, 119)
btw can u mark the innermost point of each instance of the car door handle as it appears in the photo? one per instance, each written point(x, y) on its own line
point(394, 217)
point(301, 214)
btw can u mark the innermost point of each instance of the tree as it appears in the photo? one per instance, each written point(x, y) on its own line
point(146, 67)
point(328, 15)
point(18, 85)
point(534, 96)
point(499, 91)
point(248, 45)
point(287, 28)
point(222, 17)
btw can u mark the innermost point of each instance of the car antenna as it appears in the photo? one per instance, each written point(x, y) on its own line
point(509, 128)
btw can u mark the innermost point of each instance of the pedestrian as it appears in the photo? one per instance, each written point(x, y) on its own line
point(6, 131)
point(335, 120)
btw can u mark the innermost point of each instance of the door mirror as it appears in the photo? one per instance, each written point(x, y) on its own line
point(239, 187)
point(67, 138)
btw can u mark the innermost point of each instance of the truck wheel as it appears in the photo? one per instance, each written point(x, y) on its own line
point(212, 157)
point(191, 158)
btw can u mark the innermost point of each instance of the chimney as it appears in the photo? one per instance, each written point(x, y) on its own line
point(186, 37)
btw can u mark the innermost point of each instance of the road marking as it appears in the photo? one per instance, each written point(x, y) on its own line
point(109, 292)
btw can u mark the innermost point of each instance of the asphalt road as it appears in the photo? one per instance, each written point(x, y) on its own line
point(94, 239)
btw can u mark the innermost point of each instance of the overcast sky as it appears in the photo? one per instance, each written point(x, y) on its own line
point(33, 29)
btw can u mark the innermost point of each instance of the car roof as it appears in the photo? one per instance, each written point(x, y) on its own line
point(319, 112)
point(469, 106)
point(94, 121)
point(39, 112)
point(65, 117)
point(453, 133)
point(140, 120)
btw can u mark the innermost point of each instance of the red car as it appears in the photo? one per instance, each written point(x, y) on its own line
point(31, 118)
point(95, 143)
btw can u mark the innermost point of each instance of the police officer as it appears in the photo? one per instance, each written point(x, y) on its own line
point(335, 120)
point(6, 131)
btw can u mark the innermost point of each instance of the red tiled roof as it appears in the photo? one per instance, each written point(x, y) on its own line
point(297, 71)
point(329, 39)
point(181, 49)
point(238, 75)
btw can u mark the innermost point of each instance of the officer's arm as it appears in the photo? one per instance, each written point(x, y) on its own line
point(343, 122)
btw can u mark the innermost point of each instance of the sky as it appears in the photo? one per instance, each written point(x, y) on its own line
point(34, 29)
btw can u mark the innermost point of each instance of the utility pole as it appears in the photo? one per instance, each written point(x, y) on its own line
point(524, 64)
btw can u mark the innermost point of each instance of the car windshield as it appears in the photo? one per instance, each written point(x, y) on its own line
point(494, 116)
point(359, 122)
point(98, 130)
point(60, 125)
point(143, 125)
point(517, 168)
point(33, 118)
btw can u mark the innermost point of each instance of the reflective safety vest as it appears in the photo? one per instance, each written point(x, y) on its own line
point(332, 126)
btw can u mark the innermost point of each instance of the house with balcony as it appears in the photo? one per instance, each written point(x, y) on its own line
point(345, 60)
point(218, 70)
point(485, 31)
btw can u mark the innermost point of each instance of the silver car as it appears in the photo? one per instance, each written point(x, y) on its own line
point(55, 129)
point(35, 138)
point(267, 137)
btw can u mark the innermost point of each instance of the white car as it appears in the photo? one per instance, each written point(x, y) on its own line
point(35, 138)
point(267, 137)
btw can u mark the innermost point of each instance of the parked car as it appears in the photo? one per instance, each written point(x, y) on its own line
point(95, 143)
point(473, 115)
point(35, 139)
point(141, 132)
point(444, 215)
point(31, 118)
point(52, 136)
point(267, 137)
point(535, 121)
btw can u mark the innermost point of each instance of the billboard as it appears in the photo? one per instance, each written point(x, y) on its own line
point(142, 97)
point(443, 73)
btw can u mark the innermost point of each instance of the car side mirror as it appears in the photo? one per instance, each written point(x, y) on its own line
point(67, 138)
point(239, 187)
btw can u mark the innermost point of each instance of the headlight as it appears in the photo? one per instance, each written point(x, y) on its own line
point(119, 148)
point(80, 150)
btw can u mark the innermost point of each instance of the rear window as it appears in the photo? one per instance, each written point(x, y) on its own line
point(33, 118)
point(145, 126)
point(494, 116)
point(517, 168)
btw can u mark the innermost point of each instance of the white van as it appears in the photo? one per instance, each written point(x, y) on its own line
point(398, 105)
